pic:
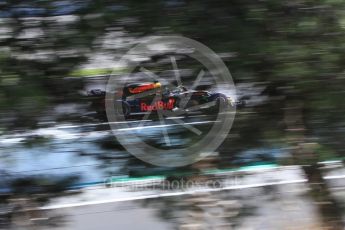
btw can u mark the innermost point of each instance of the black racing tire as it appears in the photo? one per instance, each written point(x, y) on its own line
point(219, 107)
point(221, 104)
point(126, 109)
point(192, 103)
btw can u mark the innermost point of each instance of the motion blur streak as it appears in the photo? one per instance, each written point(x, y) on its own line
point(287, 61)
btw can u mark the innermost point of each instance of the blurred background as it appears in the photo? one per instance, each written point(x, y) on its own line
point(280, 167)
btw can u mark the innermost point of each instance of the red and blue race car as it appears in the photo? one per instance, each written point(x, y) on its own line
point(138, 98)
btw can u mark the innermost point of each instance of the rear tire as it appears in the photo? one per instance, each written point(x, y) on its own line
point(125, 110)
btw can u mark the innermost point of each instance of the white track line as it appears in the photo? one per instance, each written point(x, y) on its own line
point(166, 125)
point(200, 190)
point(171, 194)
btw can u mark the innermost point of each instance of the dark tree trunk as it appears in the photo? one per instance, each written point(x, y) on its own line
point(330, 213)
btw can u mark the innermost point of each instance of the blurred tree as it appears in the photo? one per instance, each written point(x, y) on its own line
point(22, 197)
point(296, 48)
point(40, 43)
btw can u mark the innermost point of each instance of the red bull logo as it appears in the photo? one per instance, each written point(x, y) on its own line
point(158, 105)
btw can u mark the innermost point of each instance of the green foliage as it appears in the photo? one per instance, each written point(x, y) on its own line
point(296, 45)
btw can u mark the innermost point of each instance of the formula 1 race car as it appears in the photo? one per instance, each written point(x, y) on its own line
point(139, 98)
